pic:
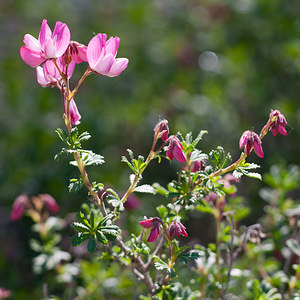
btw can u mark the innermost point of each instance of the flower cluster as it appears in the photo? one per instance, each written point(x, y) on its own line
point(35, 206)
point(54, 56)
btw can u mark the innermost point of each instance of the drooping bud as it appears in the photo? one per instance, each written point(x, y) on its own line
point(152, 223)
point(132, 203)
point(74, 113)
point(175, 149)
point(162, 130)
point(278, 125)
point(19, 207)
point(78, 52)
point(250, 139)
point(50, 203)
point(198, 165)
point(177, 228)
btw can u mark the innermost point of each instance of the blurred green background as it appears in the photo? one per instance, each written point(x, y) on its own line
point(214, 65)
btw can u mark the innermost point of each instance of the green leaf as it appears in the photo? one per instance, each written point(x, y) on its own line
point(198, 155)
point(219, 157)
point(101, 237)
point(294, 246)
point(162, 210)
point(89, 158)
point(160, 264)
point(63, 136)
point(79, 238)
point(80, 227)
point(84, 136)
point(124, 159)
point(91, 244)
point(145, 188)
point(80, 216)
point(185, 257)
point(75, 185)
point(199, 137)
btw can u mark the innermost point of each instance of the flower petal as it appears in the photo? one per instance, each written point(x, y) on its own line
point(104, 64)
point(153, 234)
point(258, 149)
point(30, 57)
point(41, 79)
point(118, 66)
point(63, 35)
point(32, 43)
point(45, 33)
point(94, 50)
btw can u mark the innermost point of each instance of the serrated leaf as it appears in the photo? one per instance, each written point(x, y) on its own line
point(160, 264)
point(91, 244)
point(294, 246)
point(101, 237)
point(63, 136)
point(79, 238)
point(145, 188)
point(199, 137)
point(80, 216)
point(84, 136)
point(89, 158)
point(80, 227)
point(75, 185)
point(198, 155)
point(185, 257)
point(124, 159)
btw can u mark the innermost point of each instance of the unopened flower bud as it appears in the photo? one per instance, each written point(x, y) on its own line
point(50, 203)
point(19, 207)
point(77, 52)
point(250, 139)
point(175, 149)
point(162, 130)
point(278, 125)
point(177, 228)
point(74, 113)
point(198, 165)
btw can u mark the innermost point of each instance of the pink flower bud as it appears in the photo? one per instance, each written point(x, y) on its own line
point(132, 203)
point(162, 130)
point(101, 56)
point(198, 165)
point(175, 149)
point(152, 223)
point(177, 228)
point(19, 207)
point(78, 52)
point(278, 125)
point(74, 113)
point(4, 293)
point(50, 203)
point(251, 140)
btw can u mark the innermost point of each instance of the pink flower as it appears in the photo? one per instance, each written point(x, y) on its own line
point(175, 149)
point(198, 165)
point(78, 52)
point(101, 56)
point(4, 293)
point(279, 124)
point(48, 75)
point(162, 130)
point(50, 203)
point(49, 45)
point(177, 228)
point(74, 113)
point(251, 140)
point(18, 207)
point(132, 203)
point(152, 223)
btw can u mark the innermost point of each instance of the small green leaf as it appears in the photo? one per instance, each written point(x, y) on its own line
point(185, 257)
point(79, 238)
point(294, 246)
point(198, 138)
point(80, 227)
point(91, 244)
point(75, 185)
point(145, 188)
point(162, 210)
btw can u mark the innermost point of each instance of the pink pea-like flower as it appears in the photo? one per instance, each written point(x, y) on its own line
point(48, 74)
point(152, 223)
point(162, 130)
point(78, 52)
point(198, 165)
point(50, 203)
point(101, 56)
point(19, 207)
point(4, 293)
point(250, 139)
point(132, 203)
point(49, 45)
point(278, 126)
point(175, 149)
point(177, 228)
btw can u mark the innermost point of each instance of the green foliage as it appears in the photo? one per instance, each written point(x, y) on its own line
point(220, 158)
point(94, 228)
